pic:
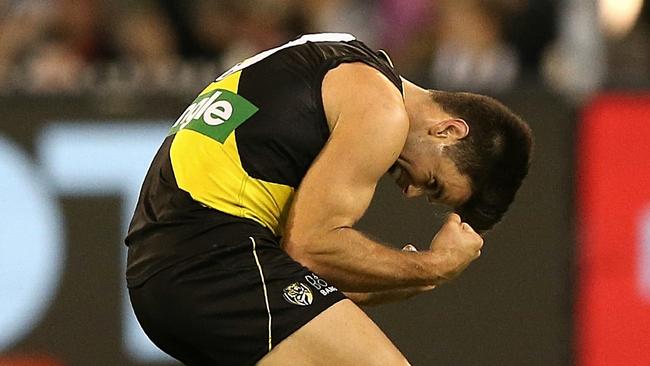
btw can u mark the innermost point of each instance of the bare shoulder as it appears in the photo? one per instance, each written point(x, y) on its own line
point(369, 125)
point(353, 91)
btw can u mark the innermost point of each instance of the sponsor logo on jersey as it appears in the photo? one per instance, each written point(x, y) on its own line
point(215, 114)
point(298, 293)
point(320, 284)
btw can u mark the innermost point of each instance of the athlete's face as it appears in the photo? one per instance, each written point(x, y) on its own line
point(423, 168)
point(431, 174)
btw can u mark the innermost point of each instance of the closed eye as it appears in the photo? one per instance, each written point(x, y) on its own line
point(435, 190)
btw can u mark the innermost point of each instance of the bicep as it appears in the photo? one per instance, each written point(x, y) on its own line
point(369, 129)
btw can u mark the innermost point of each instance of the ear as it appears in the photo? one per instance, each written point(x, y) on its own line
point(453, 128)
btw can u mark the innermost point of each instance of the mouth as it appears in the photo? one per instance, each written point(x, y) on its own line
point(400, 175)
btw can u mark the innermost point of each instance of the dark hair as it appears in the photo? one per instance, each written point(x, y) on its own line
point(495, 155)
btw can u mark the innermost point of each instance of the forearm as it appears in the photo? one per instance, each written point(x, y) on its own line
point(356, 263)
point(388, 296)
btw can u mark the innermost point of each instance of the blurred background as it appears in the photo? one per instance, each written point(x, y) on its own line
point(89, 88)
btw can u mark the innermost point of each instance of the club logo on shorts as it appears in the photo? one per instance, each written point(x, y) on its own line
point(298, 294)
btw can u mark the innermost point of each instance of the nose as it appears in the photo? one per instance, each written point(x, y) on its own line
point(412, 191)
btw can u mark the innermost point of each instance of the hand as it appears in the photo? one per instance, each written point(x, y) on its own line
point(455, 246)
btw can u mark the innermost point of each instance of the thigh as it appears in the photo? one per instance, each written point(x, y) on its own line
point(341, 335)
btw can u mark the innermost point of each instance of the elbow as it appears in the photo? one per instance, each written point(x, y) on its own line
point(293, 248)
point(303, 250)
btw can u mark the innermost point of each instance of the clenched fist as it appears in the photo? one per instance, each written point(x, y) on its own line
point(455, 246)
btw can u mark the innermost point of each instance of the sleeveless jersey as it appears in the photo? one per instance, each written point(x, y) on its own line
point(234, 158)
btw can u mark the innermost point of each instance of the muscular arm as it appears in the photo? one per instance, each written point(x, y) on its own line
point(370, 127)
point(383, 297)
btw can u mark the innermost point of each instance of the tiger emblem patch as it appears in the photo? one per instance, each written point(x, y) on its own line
point(298, 294)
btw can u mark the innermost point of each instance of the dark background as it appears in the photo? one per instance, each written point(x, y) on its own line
point(129, 63)
point(511, 307)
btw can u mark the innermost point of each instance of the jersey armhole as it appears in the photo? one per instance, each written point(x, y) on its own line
point(332, 64)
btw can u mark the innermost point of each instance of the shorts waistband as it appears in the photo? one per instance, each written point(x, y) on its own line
point(172, 243)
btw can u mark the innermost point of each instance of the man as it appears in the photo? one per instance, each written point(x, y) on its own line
point(242, 242)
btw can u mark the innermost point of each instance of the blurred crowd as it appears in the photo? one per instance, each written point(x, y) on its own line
point(82, 46)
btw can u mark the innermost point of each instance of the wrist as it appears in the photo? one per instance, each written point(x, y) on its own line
point(437, 265)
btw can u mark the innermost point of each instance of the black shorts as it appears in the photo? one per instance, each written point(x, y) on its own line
point(230, 305)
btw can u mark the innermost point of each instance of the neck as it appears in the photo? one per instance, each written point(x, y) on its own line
point(421, 109)
point(415, 97)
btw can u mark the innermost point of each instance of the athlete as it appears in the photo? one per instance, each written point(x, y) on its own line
point(242, 248)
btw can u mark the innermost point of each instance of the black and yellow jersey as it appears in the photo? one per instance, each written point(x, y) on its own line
point(236, 155)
